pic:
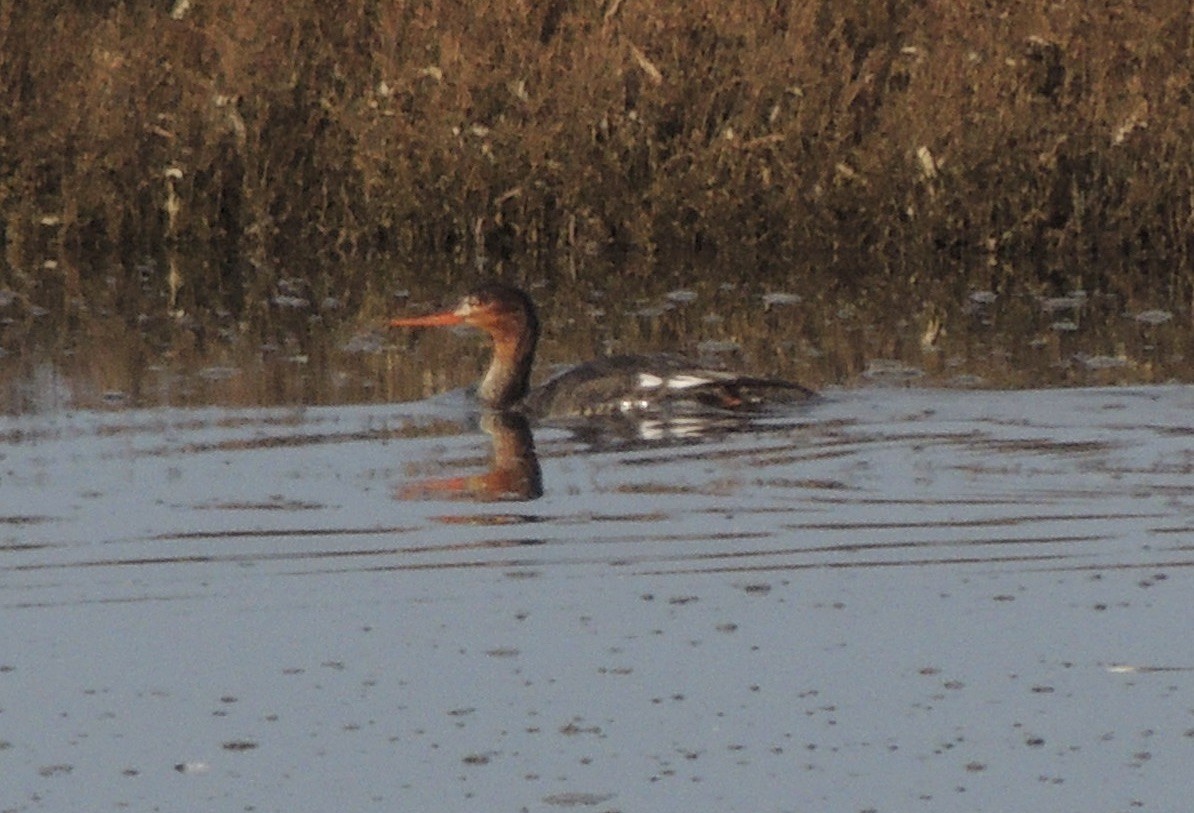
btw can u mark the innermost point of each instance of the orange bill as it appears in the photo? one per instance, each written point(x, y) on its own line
point(430, 320)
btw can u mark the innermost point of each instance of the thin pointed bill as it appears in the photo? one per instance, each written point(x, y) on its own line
point(430, 320)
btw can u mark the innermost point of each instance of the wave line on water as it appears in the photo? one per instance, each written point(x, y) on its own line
point(961, 523)
point(875, 563)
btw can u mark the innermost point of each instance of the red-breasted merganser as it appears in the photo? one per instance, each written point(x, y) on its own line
point(607, 386)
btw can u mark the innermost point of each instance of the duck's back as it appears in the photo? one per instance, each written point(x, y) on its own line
point(665, 383)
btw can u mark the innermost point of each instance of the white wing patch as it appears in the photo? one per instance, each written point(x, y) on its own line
point(684, 382)
point(650, 381)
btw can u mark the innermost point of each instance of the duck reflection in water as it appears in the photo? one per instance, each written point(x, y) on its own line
point(513, 474)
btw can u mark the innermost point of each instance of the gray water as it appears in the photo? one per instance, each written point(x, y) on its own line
point(894, 600)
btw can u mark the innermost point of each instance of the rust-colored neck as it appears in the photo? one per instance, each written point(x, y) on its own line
point(508, 378)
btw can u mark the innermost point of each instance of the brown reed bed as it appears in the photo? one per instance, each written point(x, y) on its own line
point(342, 147)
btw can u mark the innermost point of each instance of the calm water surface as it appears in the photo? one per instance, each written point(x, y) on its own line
point(892, 600)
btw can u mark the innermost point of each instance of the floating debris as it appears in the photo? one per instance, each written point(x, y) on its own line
point(891, 370)
point(779, 298)
point(292, 302)
point(1102, 362)
point(1063, 303)
point(575, 799)
point(983, 297)
point(192, 768)
point(1154, 317)
point(713, 347)
point(650, 312)
point(682, 297)
point(217, 373)
point(55, 770)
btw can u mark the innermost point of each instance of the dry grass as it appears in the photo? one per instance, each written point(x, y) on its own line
point(863, 142)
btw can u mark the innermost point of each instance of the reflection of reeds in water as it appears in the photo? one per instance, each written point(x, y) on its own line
point(933, 335)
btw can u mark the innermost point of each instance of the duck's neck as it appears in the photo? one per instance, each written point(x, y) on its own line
point(508, 379)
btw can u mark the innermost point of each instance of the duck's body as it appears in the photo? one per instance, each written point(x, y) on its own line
point(663, 382)
point(608, 386)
